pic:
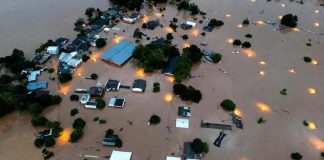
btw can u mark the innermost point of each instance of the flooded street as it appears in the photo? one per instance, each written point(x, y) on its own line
point(254, 81)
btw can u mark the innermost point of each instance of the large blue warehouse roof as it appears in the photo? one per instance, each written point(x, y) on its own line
point(119, 53)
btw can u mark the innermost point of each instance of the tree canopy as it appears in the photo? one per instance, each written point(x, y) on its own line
point(228, 105)
point(198, 146)
point(289, 20)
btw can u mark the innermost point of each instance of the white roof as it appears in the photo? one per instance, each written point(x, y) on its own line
point(182, 123)
point(112, 102)
point(74, 62)
point(172, 158)
point(120, 155)
point(33, 75)
point(193, 24)
point(65, 57)
point(52, 49)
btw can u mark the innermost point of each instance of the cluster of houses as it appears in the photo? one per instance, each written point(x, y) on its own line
point(139, 85)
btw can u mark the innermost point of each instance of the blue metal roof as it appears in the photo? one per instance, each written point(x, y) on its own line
point(36, 85)
point(119, 53)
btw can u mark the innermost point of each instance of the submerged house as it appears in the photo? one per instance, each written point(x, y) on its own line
point(44, 134)
point(91, 105)
point(132, 18)
point(139, 85)
point(188, 25)
point(171, 63)
point(52, 50)
point(120, 155)
point(116, 102)
point(112, 85)
point(60, 42)
point(96, 91)
point(184, 111)
point(109, 140)
point(152, 24)
point(36, 85)
point(119, 53)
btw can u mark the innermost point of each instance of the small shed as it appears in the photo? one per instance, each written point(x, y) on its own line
point(112, 85)
point(139, 85)
point(120, 155)
point(53, 50)
point(44, 134)
point(116, 102)
point(193, 24)
point(91, 105)
point(173, 158)
point(85, 98)
point(109, 140)
point(182, 123)
point(184, 111)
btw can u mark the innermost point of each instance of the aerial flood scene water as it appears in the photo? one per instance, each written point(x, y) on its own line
point(162, 79)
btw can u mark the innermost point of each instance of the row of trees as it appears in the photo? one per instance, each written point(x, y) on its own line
point(129, 4)
point(192, 7)
point(190, 55)
point(16, 62)
point(77, 132)
point(187, 93)
point(153, 56)
point(56, 131)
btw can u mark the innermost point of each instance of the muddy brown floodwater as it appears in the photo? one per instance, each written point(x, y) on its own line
point(254, 81)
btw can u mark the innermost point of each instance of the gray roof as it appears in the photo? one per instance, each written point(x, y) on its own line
point(171, 63)
point(112, 84)
point(139, 83)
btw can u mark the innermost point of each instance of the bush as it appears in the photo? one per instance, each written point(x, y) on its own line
point(79, 123)
point(305, 123)
point(85, 58)
point(75, 135)
point(216, 57)
point(215, 23)
point(307, 59)
point(56, 99)
point(119, 143)
point(35, 109)
point(169, 36)
point(289, 20)
point(49, 142)
point(144, 25)
point(228, 105)
point(74, 97)
point(261, 120)
point(100, 42)
point(51, 70)
point(246, 21)
point(179, 89)
point(203, 34)
point(199, 147)
point(175, 20)
point(156, 87)
point(296, 156)
point(237, 42)
point(74, 111)
point(94, 76)
point(38, 142)
point(65, 77)
point(322, 154)
point(155, 119)
point(101, 104)
point(39, 121)
point(246, 44)
point(248, 36)
point(194, 53)
point(185, 37)
point(110, 132)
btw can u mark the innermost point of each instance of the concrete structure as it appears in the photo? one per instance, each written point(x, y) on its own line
point(120, 155)
point(53, 50)
point(182, 123)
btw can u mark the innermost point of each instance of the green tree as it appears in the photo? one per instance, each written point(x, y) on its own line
point(307, 59)
point(169, 36)
point(198, 146)
point(56, 99)
point(246, 44)
point(39, 121)
point(51, 70)
point(75, 135)
point(79, 123)
point(49, 142)
point(74, 97)
point(289, 20)
point(156, 87)
point(246, 21)
point(237, 42)
point(119, 143)
point(94, 76)
point(35, 109)
point(65, 77)
point(296, 156)
point(155, 119)
point(38, 142)
point(100, 42)
point(74, 111)
point(101, 104)
point(89, 12)
point(216, 57)
point(228, 105)
point(215, 23)
point(185, 37)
